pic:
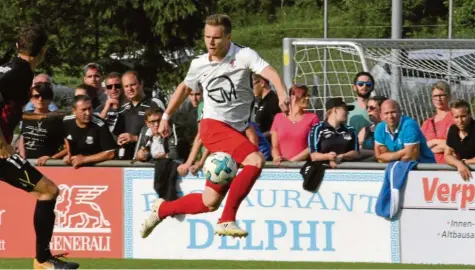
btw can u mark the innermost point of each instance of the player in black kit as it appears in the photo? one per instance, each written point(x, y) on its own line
point(15, 81)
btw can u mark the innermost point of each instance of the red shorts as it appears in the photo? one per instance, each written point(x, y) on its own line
point(218, 136)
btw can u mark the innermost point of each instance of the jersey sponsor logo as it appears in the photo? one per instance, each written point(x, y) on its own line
point(347, 136)
point(221, 89)
point(89, 140)
point(76, 210)
point(5, 69)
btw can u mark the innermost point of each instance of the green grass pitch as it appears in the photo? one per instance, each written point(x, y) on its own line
point(189, 264)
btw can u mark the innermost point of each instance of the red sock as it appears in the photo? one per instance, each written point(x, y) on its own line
point(240, 187)
point(188, 204)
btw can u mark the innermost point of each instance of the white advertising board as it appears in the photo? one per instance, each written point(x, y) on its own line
point(285, 222)
point(436, 222)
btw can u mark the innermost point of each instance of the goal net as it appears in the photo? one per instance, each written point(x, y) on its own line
point(403, 69)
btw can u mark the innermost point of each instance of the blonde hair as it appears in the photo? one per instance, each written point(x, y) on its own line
point(220, 20)
point(444, 86)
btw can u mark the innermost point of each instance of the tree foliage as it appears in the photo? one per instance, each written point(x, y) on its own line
point(83, 31)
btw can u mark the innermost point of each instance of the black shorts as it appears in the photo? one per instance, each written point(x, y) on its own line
point(19, 173)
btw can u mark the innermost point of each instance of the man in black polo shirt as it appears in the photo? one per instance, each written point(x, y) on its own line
point(332, 140)
point(132, 114)
point(267, 106)
point(460, 150)
point(88, 138)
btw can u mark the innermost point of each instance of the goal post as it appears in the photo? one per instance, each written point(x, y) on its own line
point(403, 69)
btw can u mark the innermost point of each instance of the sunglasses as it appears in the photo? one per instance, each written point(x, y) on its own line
point(38, 96)
point(370, 108)
point(117, 86)
point(361, 83)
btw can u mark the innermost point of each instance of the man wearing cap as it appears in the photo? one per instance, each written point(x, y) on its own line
point(398, 137)
point(332, 140)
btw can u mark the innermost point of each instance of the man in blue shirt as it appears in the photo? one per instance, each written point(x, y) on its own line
point(398, 137)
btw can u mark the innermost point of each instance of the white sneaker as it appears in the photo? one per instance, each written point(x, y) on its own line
point(152, 220)
point(229, 229)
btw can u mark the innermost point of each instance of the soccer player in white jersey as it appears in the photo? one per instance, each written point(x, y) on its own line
point(225, 75)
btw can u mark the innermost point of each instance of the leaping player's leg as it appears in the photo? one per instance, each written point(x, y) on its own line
point(220, 137)
point(19, 173)
point(193, 203)
point(239, 189)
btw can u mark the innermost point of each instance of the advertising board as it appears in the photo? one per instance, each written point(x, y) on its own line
point(285, 222)
point(88, 214)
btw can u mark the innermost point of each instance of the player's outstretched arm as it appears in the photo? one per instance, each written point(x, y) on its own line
point(271, 74)
point(178, 97)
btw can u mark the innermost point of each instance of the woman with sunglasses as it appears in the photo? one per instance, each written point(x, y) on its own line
point(289, 133)
point(435, 128)
point(41, 139)
point(363, 85)
point(366, 134)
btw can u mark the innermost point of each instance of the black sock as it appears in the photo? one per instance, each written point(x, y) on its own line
point(44, 224)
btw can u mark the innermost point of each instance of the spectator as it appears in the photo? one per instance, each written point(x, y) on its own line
point(151, 145)
point(267, 105)
point(87, 90)
point(41, 139)
point(460, 149)
point(363, 85)
point(366, 135)
point(41, 78)
point(435, 128)
point(80, 91)
point(185, 120)
point(398, 137)
point(191, 164)
point(93, 73)
point(87, 137)
point(131, 117)
point(290, 132)
point(262, 142)
point(109, 111)
point(331, 140)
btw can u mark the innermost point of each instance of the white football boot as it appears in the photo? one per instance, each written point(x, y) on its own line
point(152, 220)
point(229, 229)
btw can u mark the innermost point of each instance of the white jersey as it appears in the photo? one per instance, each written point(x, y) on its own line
point(227, 85)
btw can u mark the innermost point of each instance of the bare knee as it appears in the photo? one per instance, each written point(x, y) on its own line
point(212, 199)
point(46, 189)
point(255, 159)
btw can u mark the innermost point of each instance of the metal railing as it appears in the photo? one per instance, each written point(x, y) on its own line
point(283, 165)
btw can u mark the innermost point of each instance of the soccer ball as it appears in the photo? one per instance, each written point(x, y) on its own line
point(220, 168)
